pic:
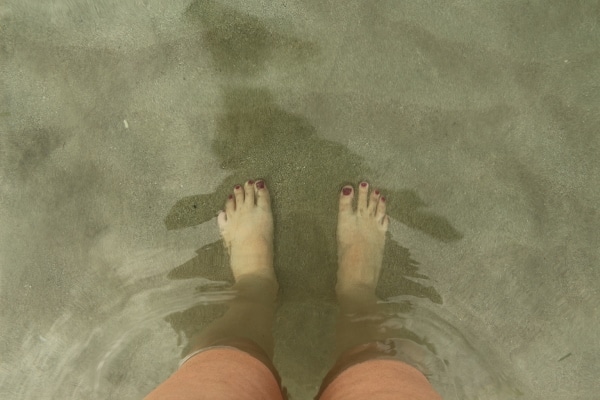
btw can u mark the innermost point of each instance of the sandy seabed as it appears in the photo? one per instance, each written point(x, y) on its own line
point(124, 125)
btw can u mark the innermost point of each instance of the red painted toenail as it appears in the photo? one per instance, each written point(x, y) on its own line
point(383, 199)
point(238, 187)
point(230, 197)
point(260, 184)
point(250, 182)
point(377, 192)
point(364, 184)
point(347, 191)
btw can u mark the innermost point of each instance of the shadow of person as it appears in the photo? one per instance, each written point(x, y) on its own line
point(257, 139)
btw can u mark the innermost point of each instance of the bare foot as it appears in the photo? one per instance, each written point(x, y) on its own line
point(361, 238)
point(246, 226)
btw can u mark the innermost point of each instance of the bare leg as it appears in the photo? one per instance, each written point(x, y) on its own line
point(246, 226)
point(361, 239)
point(372, 361)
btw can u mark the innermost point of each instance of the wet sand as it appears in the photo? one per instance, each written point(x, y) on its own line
point(124, 127)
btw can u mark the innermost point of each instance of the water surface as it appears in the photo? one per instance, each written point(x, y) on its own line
point(124, 127)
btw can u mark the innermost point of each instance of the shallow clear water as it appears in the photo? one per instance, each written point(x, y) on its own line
point(124, 127)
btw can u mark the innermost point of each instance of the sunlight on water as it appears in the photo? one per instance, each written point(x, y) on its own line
point(459, 364)
point(463, 365)
point(143, 311)
point(84, 366)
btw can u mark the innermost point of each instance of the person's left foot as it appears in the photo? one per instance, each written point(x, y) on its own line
point(361, 239)
point(246, 226)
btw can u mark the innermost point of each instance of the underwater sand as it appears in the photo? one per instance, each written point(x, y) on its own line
point(124, 125)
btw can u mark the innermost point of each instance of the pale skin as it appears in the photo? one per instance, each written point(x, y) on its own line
point(246, 226)
point(360, 241)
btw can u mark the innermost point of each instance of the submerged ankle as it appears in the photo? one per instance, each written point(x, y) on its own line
point(263, 284)
point(355, 292)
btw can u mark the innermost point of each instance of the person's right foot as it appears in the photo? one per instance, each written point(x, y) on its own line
point(246, 226)
point(360, 239)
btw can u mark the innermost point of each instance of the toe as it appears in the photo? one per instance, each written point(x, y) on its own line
point(238, 192)
point(385, 222)
point(346, 196)
point(363, 194)
point(222, 220)
point(373, 202)
point(380, 214)
point(230, 205)
point(249, 192)
point(263, 197)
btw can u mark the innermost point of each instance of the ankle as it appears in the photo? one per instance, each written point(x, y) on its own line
point(259, 285)
point(356, 297)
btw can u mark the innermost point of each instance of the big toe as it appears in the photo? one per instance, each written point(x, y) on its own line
point(346, 196)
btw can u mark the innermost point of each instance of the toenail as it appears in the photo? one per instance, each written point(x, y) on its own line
point(364, 184)
point(250, 182)
point(238, 187)
point(260, 184)
point(347, 191)
point(377, 192)
point(383, 199)
point(230, 197)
